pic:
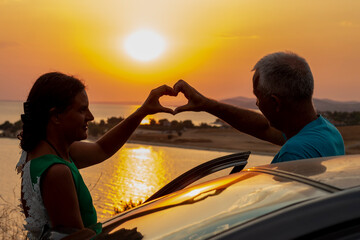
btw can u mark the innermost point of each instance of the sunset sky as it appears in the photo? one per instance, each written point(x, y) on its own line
point(211, 44)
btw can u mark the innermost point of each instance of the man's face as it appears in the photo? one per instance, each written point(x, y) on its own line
point(264, 102)
point(260, 97)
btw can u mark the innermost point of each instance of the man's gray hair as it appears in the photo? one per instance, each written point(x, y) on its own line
point(285, 74)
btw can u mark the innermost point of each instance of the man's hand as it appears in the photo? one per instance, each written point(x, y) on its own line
point(196, 101)
point(152, 104)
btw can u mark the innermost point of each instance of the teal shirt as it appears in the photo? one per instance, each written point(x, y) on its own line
point(319, 138)
point(88, 213)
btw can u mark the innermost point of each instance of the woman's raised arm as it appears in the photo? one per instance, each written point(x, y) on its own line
point(87, 154)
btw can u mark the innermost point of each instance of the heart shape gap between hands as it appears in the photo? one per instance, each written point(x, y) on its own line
point(173, 102)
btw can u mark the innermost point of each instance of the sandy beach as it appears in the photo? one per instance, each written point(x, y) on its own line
point(230, 140)
point(351, 136)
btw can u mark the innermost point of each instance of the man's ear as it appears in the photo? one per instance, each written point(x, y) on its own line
point(277, 102)
point(54, 116)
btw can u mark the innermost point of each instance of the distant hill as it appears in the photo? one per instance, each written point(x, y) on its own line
point(332, 106)
point(320, 104)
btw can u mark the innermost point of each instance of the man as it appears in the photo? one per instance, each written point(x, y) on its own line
point(283, 85)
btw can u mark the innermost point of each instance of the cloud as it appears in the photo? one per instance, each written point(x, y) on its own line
point(347, 24)
point(8, 1)
point(8, 44)
point(234, 36)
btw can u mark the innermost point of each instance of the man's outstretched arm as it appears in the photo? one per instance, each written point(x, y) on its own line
point(246, 121)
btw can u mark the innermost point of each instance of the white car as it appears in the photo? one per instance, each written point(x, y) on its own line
point(303, 199)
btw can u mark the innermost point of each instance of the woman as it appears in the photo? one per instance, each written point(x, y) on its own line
point(55, 120)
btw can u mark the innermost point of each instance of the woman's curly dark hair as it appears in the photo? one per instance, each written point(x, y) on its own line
point(51, 90)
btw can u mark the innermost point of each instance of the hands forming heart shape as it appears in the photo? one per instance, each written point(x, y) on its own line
point(196, 101)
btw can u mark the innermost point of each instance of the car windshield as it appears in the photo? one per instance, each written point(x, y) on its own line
point(209, 208)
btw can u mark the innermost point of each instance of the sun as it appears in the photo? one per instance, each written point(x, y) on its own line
point(144, 45)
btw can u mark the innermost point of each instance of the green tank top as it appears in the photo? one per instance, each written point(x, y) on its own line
point(88, 213)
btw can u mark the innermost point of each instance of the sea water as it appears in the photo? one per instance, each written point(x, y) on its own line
point(134, 173)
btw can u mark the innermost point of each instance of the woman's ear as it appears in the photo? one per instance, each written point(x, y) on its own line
point(54, 115)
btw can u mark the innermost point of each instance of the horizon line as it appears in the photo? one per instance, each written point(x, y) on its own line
point(140, 102)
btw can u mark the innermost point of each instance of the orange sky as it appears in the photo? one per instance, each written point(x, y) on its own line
point(211, 44)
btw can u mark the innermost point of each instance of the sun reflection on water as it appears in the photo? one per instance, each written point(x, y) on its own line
point(137, 174)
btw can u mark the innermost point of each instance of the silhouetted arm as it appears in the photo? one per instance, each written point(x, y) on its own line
point(244, 120)
point(86, 154)
point(60, 197)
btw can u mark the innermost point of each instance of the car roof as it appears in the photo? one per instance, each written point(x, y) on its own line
point(339, 171)
point(333, 217)
point(268, 188)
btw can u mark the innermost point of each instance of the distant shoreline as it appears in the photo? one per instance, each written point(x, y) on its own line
point(230, 140)
point(226, 140)
point(193, 147)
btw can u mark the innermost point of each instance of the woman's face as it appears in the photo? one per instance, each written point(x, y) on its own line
point(74, 121)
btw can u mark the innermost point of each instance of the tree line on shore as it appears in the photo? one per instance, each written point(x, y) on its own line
point(99, 128)
point(8, 129)
point(342, 118)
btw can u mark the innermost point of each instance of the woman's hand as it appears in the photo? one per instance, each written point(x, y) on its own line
point(152, 104)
